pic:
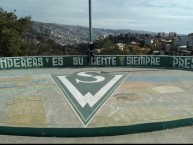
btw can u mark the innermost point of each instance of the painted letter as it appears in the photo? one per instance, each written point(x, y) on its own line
point(85, 74)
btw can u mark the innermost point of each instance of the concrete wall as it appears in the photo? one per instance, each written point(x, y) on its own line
point(177, 62)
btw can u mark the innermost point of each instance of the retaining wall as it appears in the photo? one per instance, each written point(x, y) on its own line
point(177, 62)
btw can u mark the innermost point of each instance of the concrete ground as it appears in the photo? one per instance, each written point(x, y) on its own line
point(32, 98)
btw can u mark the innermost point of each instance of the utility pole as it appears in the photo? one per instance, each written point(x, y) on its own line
point(90, 21)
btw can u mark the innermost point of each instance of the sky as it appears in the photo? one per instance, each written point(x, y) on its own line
point(148, 15)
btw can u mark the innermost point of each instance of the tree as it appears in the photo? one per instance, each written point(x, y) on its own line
point(113, 50)
point(11, 30)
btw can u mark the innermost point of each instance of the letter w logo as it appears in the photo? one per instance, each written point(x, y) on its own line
point(87, 91)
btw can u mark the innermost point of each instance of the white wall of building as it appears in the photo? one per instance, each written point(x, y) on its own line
point(184, 40)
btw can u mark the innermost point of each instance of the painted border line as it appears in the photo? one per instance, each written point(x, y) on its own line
point(94, 132)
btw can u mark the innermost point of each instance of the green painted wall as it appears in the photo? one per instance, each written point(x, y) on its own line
point(181, 62)
point(92, 132)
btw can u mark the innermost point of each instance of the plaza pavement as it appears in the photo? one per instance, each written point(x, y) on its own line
point(31, 98)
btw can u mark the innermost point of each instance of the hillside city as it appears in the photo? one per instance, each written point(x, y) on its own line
point(142, 42)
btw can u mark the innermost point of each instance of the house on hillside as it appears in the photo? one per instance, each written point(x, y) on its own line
point(121, 46)
point(184, 40)
point(148, 41)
